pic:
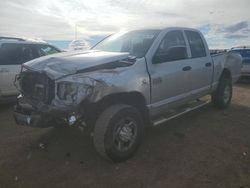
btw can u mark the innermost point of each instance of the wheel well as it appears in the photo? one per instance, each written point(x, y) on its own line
point(136, 99)
point(226, 74)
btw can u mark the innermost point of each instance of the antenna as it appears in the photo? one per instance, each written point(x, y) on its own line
point(75, 31)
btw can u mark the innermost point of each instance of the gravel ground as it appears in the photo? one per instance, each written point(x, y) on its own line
point(205, 148)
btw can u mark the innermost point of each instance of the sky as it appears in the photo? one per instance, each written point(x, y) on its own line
point(225, 23)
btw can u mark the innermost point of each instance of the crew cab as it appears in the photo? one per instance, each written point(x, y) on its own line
point(126, 82)
point(14, 52)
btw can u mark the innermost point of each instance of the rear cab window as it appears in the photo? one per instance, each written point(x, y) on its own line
point(196, 44)
point(16, 54)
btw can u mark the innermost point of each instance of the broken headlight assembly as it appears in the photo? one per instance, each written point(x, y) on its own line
point(73, 92)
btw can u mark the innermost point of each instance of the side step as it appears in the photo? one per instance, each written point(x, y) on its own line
point(171, 114)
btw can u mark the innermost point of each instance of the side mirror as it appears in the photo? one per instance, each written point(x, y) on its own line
point(171, 54)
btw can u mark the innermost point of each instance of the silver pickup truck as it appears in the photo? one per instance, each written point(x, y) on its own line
point(127, 81)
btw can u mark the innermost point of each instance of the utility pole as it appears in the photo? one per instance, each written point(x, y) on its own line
point(75, 31)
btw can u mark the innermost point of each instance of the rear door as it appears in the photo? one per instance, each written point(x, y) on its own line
point(11, 57)
point(201, 63)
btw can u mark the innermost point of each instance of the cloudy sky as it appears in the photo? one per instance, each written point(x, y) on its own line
point(225, 23)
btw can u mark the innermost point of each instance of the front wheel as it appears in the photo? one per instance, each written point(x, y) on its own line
point(221, 98)
point(118, 132)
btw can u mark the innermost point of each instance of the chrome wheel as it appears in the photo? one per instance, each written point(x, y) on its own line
point(125, 134)
point(227, 94)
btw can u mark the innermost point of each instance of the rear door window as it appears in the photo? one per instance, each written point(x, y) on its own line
point(15, 54)
point(196, 44)
point(43, 50)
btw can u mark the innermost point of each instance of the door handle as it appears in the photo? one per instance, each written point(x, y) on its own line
point(187, 68)
point(208, 64)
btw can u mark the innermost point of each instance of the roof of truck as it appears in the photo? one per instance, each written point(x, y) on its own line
point(163, 28)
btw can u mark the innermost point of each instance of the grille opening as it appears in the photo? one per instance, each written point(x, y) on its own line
point(37, 86)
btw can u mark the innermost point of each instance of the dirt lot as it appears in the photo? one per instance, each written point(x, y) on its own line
point(205, 148)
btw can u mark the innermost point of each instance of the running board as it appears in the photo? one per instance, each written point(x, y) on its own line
point(180, 111)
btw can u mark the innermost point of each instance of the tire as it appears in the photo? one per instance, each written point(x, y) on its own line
point(221, 98)
point(118, 132)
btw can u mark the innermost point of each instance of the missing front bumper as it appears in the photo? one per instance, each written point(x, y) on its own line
point(28, 120)
point(31, 118)
point(47, 116)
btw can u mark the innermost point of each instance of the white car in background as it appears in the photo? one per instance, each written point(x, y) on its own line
point(13, 53)
point(79, 45)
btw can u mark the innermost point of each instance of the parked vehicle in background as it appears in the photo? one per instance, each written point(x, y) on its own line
point(13, 53)
point(128, 80)
point(217, 51)
point(79, 45)
point(244, 51)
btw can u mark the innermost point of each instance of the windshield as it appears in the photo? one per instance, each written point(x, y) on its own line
point(136, 43)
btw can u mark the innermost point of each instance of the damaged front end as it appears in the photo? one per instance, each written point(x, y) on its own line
point(37, 91)
point(44, 102)
point(53, 89)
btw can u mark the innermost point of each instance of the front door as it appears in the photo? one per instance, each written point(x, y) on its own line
point(170, 72)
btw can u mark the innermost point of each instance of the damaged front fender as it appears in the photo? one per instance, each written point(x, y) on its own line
point(74, 89)
point(94, 86)
point(73, 93)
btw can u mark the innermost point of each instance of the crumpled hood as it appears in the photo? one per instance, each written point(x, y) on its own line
point(62, 64)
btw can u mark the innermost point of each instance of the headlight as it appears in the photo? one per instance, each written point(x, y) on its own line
point(66, 90)
point(72, 92)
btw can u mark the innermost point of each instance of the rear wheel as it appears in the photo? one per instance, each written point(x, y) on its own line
point(221, 98)
point(118, 132)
